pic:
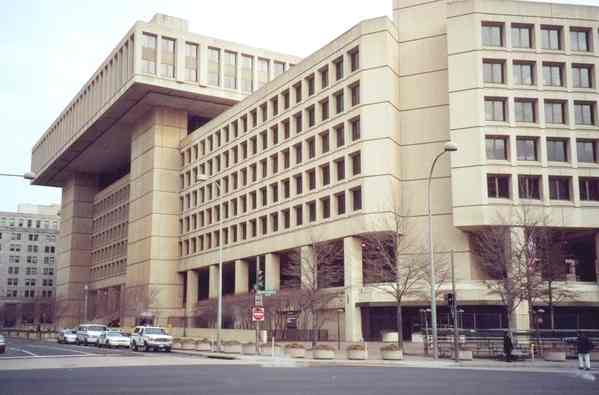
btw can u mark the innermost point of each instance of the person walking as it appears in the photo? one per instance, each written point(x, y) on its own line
point(508, 346)
point(583, 348)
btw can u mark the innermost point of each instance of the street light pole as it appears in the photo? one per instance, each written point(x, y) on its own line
point(85, 289)
point(219, 318)
point(28, 176)
point(449, 147)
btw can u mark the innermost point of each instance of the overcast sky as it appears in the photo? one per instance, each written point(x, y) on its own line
point(50, 48)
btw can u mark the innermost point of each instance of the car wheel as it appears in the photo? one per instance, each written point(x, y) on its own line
point(146, 348)
point(2, 349)
point(85, 342)
point(167, 349)
point(108, 345)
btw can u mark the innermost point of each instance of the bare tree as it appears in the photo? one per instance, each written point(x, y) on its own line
point(397, 265)
point(139, 299)
point(316, 273)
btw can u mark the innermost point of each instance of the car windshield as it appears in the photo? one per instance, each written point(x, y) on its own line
point(153, 331)
point(96, 328)
point(113, 334)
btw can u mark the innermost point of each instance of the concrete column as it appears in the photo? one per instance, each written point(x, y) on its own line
point(272, 268)
point(352, 271)
point(520, 319)
point(74, 247)
point(308, 275)
point(191, 291)
point(242, 276)
point(213, 282)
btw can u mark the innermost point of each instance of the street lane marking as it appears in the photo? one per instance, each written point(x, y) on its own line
point(23, 351)
point(60, 349)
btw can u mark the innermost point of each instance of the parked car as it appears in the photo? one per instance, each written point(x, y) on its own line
point(112, 338)
point(146, 338)
point(2, 344)
point(67, 336)
point(89, 333)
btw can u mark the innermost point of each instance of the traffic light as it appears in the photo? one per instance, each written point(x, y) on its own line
point(450, 299)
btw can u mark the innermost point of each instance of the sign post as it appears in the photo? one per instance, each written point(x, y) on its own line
point(257, 317)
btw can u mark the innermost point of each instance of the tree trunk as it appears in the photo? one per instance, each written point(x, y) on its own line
point(314, 325)
point(399, 327)
point(551, 307)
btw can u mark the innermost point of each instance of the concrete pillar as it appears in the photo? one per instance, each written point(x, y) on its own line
point(308, 274)
point(520, 319)
point(272, 270)
point(352, 271)
point(242, 277)
point(191, 292)
point(74, 247)
point(213, 282)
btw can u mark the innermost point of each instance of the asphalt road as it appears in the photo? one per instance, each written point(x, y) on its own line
point(25, 348)
point(247, 380)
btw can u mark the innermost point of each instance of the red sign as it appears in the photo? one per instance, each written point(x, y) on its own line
point(258, 313)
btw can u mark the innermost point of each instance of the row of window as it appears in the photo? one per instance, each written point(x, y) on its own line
point(282, 101)
point(48, 260)
point(30, 271)
point(30, 282)
point(28, 223)
point(266, 167)
point(526, 110)
point(28, 293)
point(527, 149)
point(222, 65)
point(262, 197)
point(524, 73)
point(529, 187)
point(113, 251)
point(31, 248)
point(523, 36)
point(111, 201)
point(15, 236)
point(116, 215)
point(117, 232)
point(110, 269)
point(273, 222)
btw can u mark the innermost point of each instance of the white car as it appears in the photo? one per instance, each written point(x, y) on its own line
point(145, 338)
point(112, 338)
point(89, 333)
point(67, 336)
point(2, 344)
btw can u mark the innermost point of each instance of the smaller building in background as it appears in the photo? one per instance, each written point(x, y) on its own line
point(28, 244)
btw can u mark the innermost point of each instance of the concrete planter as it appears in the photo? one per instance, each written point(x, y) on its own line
point(323, 354)
point(249, 349)
point(594, 355)
point(357, 355)
point(203, 346)
point(465, 355)
point(177, 344)
point(390, 337)
point(554, 356)
point(394, 355)
point(188, 345)
point(232, 348)
point(296, 352)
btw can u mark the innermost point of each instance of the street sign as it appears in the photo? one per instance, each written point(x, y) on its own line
point(258, 314)
point(258, 300)
point(266, 292)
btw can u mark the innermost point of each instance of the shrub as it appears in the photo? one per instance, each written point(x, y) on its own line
point(357, 347)
point(231, 343)
point(249, 344)
point(323, 347)
point(391, 347)
point(203, 340)
point(295, 345)
point(188, 340)
point(176, 340)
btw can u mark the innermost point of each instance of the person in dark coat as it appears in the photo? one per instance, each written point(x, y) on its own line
point(583, 348)
point(508, 346)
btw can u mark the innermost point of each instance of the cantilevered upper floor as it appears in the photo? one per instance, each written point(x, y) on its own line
point(156, 63)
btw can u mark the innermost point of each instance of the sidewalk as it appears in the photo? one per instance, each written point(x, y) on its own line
point(281, 360)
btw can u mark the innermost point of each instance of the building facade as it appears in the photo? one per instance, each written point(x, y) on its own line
point(181, 144)
point(27, 265)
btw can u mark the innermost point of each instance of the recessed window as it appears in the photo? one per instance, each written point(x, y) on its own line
point(495, 109)
point(324, 109)
point(325, 173)
point(338, 65)
point(191, 62)
point(492, 34)
point(355, 129)
point(356, 194)
point(311, 147)
point(356, 163)
point(493, 71)
point(340, 202)
point(247, 73)
point(526, 148)
point(551, 38)
point(299, 184)
point(497, 147)
point(311, 179)
point(340, 135)
point(525, 110)
point(298, 122)
point(589, 188)
point(310, 84)
point(263, 72)
point(553, 74)
point(311, 211)
point(586, 150)
point(354, 59)
point(297, 148)
point(148, 55)
point(557, 150)
point(285, 96)
point(355, 94)
point(340, 169)
point(286, 218)
point(584, 113)
point(529, 187)
point(582, 75)
point(279, 68)
point(339, 102)
point(297, 88)
point(214, 66)
point(559, 188)
point(230, 70)
point(324, 77)
point(325, 205)
point(311, 114)
point(523, 73)
point(522, 36)
point(555, 112)
point(580, 39)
